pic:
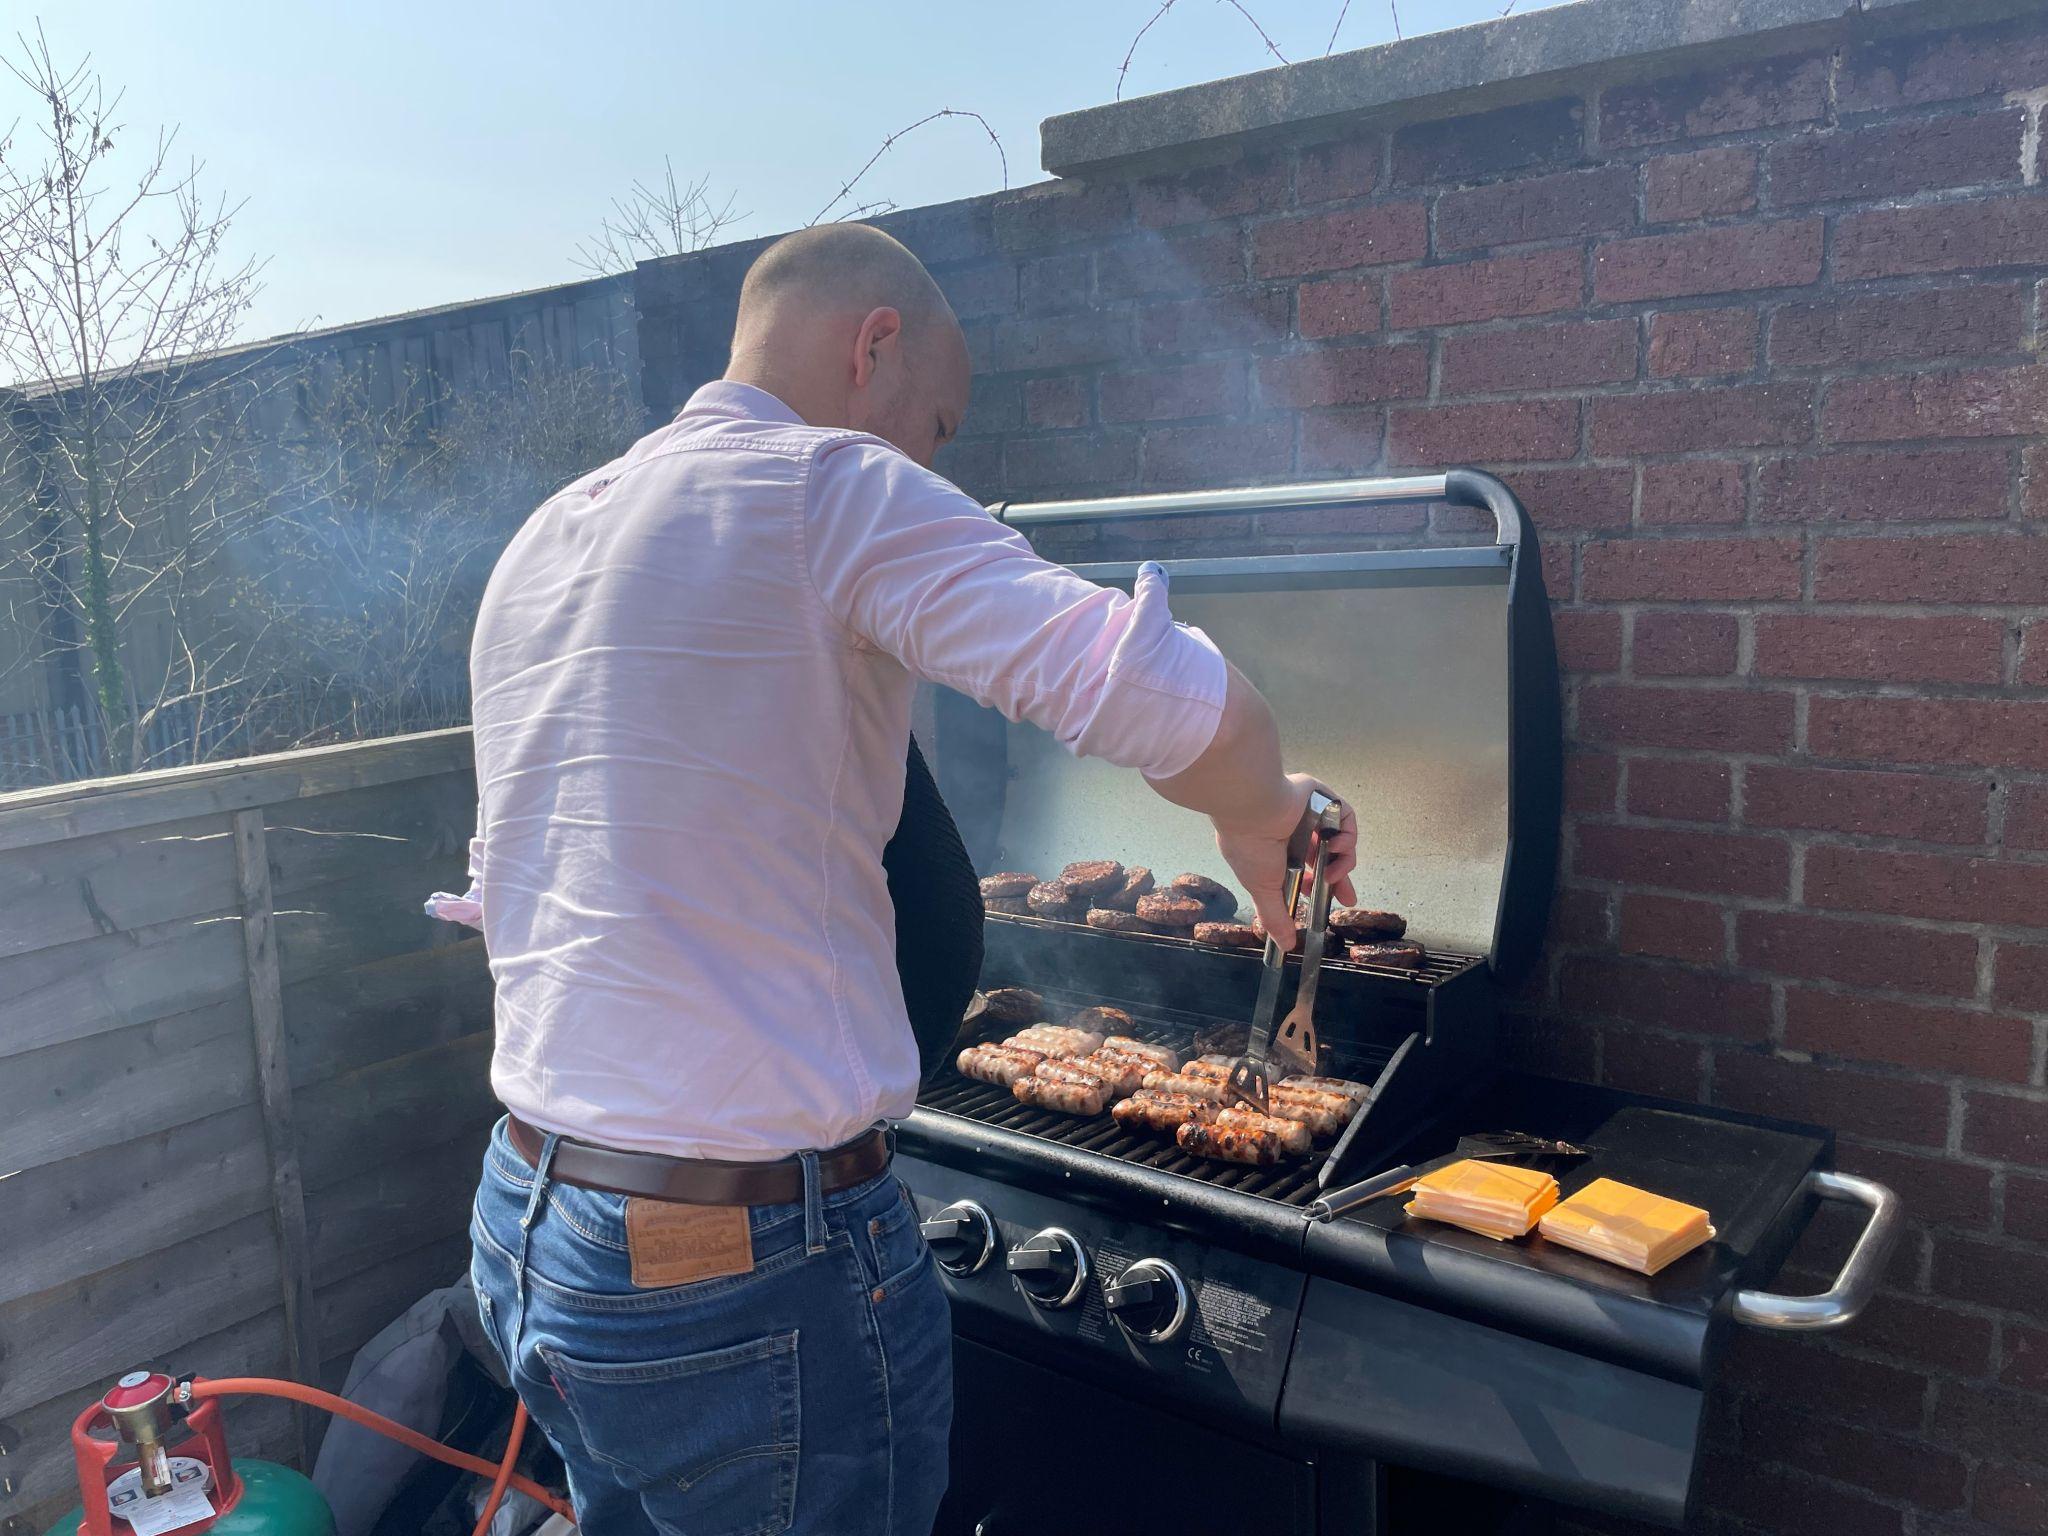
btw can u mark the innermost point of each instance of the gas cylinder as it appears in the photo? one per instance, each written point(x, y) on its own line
point(169, 1473)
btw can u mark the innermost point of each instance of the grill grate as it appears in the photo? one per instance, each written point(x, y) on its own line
point(1438, 966)
point(1290, 1183)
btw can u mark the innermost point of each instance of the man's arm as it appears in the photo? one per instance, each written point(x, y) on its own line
point(910, 564)
point(1257, 807)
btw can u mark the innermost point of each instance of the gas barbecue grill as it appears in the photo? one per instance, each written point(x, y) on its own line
point(1150, 1341)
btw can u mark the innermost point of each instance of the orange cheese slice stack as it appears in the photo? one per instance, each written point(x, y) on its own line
point(1493, 1199)
point(1627, 1226)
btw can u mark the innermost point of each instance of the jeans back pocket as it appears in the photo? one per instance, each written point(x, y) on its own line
point(710, 1441)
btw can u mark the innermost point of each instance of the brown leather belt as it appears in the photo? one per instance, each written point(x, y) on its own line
point(703, 1181)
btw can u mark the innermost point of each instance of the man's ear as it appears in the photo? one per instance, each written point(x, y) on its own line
point(882, 328)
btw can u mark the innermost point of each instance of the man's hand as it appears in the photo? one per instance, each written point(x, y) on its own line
point(1257, 851)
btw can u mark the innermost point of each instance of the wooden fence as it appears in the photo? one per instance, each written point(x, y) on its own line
point(243, 1080)
point(57, 746)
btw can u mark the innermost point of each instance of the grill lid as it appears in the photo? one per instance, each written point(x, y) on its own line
point(1420, 683)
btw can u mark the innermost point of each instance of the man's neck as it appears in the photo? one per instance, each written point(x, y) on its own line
point(808, 401)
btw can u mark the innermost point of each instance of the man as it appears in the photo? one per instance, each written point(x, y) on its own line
point(692, 675)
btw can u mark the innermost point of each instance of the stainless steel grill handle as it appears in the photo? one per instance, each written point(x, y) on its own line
point(1860, 1274)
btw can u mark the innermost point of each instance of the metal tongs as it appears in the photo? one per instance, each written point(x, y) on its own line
point(1293, 1045)
point(1488, 1146)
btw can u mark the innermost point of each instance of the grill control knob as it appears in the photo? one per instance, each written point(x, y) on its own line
point(1149, 1301)
point(962, 1237)
point(1051, 1267)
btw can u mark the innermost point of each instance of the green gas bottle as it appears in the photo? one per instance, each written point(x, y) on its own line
point(195, 1487)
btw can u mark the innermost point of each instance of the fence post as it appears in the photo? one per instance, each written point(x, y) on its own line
point(274, 1088)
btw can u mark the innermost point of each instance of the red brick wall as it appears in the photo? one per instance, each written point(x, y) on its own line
point(1758, 347)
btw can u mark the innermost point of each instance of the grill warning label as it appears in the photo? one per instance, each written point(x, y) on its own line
point(1228, 1322)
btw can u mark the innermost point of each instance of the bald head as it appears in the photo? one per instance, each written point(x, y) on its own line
point(844, 325)
point(844, 267)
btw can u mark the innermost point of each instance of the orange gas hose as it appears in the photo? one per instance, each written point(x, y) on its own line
point(502, 1474)
point(504, 1478)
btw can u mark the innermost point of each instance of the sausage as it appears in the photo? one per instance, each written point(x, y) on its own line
point(1294, 1136)
point(1357, 1093)
point(1124, 1074)
point(1194, 1087)
point(1229, 1144)
point(1078, 1073)
point(1067, 1098)
point(999, 1064)
point(1325, 1115)
point(1217, 1067)
point(1007, 883)
point(1057, 1040)
point(1151, 1110)
point(1338, 1102)
point(1167, 1057)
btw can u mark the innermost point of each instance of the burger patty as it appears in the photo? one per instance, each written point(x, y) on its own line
point(1119, 922)
point(1230, 935)
point(1357, 923)
point(1051, 898)
point(1015, 906)
point(1014, 1005)
point(1106, 1021)
point(1402, 956)
point(1007, 883)
point(1170, 909)
point(1219, 902)
point(1137, 881)
point(1091, 877)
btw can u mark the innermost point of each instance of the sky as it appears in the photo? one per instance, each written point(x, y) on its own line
point(393, 156)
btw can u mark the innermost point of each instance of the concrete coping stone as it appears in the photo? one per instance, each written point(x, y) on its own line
point(1508, 59)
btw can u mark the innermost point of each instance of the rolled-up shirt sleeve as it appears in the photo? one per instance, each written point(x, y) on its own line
point(910, 564)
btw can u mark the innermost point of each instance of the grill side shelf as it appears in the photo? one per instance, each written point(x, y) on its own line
point(1744, 1172)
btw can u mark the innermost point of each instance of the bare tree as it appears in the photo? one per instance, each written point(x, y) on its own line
point(359, 587)
point(666, 219)
point(127, 448)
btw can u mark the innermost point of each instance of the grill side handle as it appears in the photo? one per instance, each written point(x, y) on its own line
point(1535, 731)
point(1860, 1273)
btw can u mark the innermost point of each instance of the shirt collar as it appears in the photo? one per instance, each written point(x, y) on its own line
point(724, 397)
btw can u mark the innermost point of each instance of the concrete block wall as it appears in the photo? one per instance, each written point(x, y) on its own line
point(1754, 330)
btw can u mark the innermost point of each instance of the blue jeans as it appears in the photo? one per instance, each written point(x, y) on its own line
point(812, 1394)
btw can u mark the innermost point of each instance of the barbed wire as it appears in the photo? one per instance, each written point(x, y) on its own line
point(1159, 15)
point(1330, 46)
point(889, 143)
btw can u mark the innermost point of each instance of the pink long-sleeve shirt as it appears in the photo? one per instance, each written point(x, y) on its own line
point(692, 675)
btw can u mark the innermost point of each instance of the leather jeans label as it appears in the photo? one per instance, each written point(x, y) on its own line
point(673, 1244)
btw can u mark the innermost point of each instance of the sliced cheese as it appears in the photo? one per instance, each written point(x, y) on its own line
point(1627, 1226)
point(1494, 1199)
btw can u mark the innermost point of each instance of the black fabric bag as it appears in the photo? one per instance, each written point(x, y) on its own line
point(938, 915)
